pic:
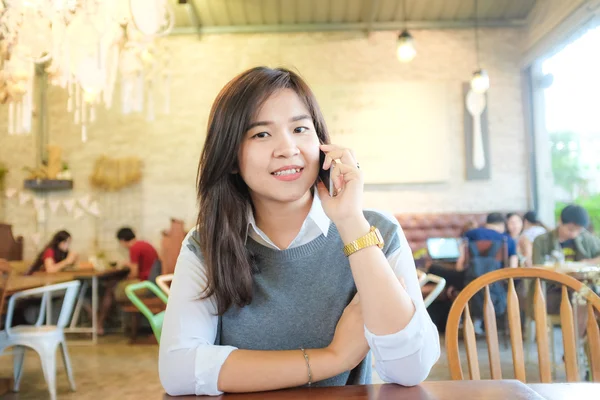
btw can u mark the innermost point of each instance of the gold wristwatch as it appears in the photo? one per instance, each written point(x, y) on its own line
point(373, 238)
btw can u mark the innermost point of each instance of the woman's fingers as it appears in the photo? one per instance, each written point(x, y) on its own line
point(333, 152)
point(348, 172)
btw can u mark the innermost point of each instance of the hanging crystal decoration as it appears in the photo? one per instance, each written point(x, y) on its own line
point(87, 45)
point(24, 30)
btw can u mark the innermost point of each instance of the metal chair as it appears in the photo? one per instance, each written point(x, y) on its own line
point(44, 339)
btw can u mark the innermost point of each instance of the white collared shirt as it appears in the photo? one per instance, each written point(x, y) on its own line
point(190, 362)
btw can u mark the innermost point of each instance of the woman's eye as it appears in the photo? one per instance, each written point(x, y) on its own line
point(260, 135)
point(300, 129)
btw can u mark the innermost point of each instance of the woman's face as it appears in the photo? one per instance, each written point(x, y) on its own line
point(515, 225)
point(64, 245)
point(279, 155)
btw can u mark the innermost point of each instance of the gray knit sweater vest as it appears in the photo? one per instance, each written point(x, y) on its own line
point(299, 296)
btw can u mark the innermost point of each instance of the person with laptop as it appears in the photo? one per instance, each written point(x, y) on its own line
point(493, 230)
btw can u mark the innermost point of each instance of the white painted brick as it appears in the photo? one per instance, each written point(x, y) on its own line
point(170, 146)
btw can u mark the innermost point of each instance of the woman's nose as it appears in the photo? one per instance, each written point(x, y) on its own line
point(286, 147)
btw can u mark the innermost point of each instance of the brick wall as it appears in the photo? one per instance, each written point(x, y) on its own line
point(170, 145)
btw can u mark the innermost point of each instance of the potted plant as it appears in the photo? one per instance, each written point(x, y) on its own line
point(65, 173)
point(3, 173)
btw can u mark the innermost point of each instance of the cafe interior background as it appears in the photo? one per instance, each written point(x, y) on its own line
point(111, 99)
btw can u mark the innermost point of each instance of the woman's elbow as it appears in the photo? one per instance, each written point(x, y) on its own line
point(412, 376)
point(171, 384)
point(171, 378)
point(417, 366)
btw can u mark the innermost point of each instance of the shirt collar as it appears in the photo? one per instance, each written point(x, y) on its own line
point(316, 215)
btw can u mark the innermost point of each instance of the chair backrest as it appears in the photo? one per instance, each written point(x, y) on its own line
point(155, 320)
point(70, 290)
point(5, 274)
point(164, 283)
point(483, 246)
point(11, 248)
point(171, 245)
point(461, 308)
point(440, 284)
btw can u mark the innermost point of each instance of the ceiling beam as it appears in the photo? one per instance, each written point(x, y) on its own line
point(194, 15)
point(375, 26)
point(372, 14)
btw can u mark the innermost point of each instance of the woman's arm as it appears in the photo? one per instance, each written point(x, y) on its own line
point(190, 362)
point(386, 306)
point(52, 267)
point(526, 248)
point(407, 356)
point(403, 338)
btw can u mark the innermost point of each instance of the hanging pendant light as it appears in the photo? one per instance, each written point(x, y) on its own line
point(480, 81)
point(406, 44)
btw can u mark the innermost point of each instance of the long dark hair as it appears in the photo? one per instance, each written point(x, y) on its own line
point(531, 217)
point(222, 194)
point(59, 255)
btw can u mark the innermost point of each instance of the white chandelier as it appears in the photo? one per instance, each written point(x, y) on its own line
point(84, 46)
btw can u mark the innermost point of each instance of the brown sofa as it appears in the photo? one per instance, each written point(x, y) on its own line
point(419, 227)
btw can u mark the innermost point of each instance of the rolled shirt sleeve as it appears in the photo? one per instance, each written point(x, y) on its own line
point(189, 361)
point(406, 357)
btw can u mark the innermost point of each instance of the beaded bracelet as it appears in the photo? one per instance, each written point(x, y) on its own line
point(307, 365)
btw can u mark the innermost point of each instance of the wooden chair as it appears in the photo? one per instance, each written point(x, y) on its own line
point(11, 248)
point(164, 283)
point(5, 274)
point(170, 245)
point(461, 308)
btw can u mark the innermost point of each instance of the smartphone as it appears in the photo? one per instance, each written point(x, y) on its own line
point(325, 175)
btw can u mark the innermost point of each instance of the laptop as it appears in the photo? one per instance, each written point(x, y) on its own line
point(443, 249)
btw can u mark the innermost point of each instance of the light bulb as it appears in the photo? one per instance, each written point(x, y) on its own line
point(480, 82)
point(89, 96)
point(406, 47)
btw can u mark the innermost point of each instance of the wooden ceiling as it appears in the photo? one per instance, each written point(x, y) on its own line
point(239, 16)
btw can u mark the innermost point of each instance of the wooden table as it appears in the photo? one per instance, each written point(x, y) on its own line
point(577, 270)
point(564, 391)
point(431, 390)
point(18, 283)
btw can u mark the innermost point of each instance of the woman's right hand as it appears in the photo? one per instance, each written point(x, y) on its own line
point(349, 344)
point(71, 257)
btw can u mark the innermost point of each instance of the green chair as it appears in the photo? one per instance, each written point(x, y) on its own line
point(156, 320)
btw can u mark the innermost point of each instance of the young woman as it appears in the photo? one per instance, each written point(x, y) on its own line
point(514, 226)
point(55, 256)
point(280, 284)
point(532, 228)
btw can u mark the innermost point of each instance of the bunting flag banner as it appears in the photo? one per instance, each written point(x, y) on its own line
point(24, 198)
point(38, 203)
point(93, 209)
point(78, 213)
point(10, 192)
point(84, 201)
point(69, 205)
point(53, 204)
